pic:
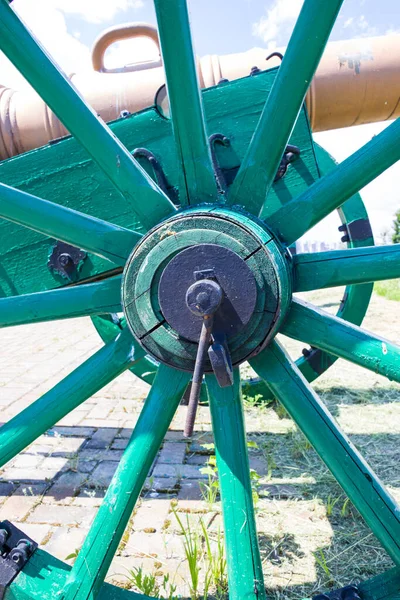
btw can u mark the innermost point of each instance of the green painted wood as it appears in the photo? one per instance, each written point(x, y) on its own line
point(44, 576)
point(232, 230)
point(261, 162)
point(64, 173)
point(290, 222)
point(87, 379)
point(101, 543)
point(245, 575)
point(318, 328)
point(343, 267)
point(198, 181)
point(359, 482)
point(50, 219)
point(356, 298)
point(141, 193)
point(382, 587)
point(64, 303)
point(108, 327)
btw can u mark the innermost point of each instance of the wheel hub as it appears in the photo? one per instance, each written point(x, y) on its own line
point(216, 246)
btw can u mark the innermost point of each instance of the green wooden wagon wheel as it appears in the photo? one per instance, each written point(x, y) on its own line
point(217, 270)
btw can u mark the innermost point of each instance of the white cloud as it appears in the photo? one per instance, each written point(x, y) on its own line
point(47, 23)
point(96, 11)
point(275, 27)
point(348, 22)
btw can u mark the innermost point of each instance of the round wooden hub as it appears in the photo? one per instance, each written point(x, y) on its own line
point(255, 279)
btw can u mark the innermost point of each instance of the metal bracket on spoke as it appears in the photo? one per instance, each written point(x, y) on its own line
point(291, 154)
point(159, 174)
point(218, 138)
point(16, 549)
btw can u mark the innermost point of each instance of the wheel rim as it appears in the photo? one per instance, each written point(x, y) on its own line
point(283, 224)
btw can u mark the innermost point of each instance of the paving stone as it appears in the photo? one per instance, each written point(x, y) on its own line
point(65, 541)
point(180, 471)
point(65, 488)
point(102, 475)
point(190, 490)
point(17, 506)
point(161, 484)
point(54, 463)
point(60, 515)
point(120, 444)
point(280, 490)
point(89, 497)
point(152, 515)
point(39, 533)
point(28, 475)
point(172, 453)
point(6, 489)
point(259, 464)
point(71, 431)
point(197, 459)
point(158, 545)
point(101, 439)
point(27, 461)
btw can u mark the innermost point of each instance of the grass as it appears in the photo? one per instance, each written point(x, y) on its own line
point(388, 289)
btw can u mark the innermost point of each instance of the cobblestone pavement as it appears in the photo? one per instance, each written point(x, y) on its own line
point(53, 488)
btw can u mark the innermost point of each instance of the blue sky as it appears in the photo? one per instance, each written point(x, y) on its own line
point(222, 27)
point(68, 28)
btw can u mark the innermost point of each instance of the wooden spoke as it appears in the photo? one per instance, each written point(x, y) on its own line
point(94, 235)
point(261, 162)
point(319, 270)
point(146, 199)
point(243, 556)
point(101, 368)
point(358, 480)
point(293, 219)
point(185, 103)
point(318, 328)
point(102, 541)
point(64, 303)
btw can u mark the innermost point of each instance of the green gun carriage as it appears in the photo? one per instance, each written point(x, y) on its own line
point(175, 234)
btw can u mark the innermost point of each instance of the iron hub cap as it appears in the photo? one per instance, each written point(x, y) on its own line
point(231, 249)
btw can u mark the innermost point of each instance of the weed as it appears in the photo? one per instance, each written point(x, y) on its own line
point(72, 555)
point(216, 576)
point(322, 562)
point(148, 584)
point(331, 503)
point(192, 549)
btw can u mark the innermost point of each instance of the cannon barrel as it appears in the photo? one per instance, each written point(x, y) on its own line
point(357, 81)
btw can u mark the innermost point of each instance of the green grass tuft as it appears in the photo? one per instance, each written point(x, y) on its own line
point(389, 289)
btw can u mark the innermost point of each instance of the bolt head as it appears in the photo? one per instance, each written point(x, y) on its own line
point(204, 297)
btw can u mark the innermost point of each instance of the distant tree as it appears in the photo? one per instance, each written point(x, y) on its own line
point(396, 228)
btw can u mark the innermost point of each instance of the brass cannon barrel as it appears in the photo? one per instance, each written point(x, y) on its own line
point(357, 81)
